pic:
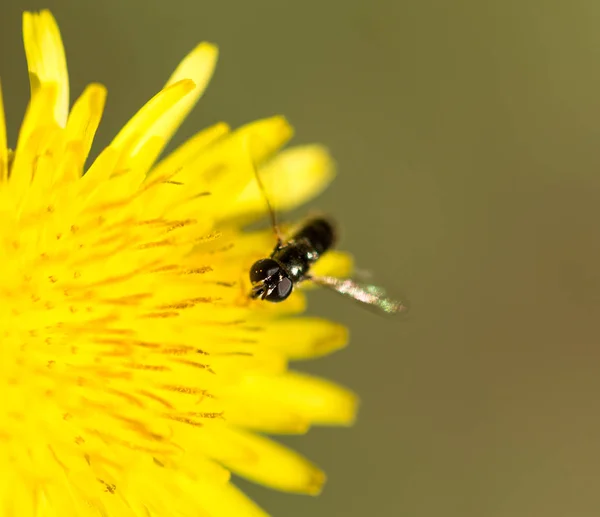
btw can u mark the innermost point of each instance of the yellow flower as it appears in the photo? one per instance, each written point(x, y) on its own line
point(136, 373)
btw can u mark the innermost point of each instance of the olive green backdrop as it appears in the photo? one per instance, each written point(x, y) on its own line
point(467, 135)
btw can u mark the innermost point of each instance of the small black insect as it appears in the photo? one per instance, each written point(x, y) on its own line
point(274, 278)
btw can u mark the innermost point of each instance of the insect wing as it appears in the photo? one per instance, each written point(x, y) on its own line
point(369, 294)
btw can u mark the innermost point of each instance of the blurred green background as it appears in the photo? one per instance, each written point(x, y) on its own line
point(466, 135)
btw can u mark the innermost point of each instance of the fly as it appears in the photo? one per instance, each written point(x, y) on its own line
point(274, 278)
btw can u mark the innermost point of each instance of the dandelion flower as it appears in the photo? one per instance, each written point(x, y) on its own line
point(136, 374)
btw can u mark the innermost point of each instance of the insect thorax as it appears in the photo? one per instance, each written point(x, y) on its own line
point(296, 258)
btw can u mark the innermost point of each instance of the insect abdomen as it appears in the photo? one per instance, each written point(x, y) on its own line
point(319, 233)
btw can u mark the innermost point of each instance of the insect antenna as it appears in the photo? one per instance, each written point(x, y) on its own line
point(270, 209)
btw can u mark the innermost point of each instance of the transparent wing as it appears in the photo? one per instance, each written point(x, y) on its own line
point(368, 294)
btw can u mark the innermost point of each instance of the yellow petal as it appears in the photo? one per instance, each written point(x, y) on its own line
point(288, 403)
point(334, 263)
point(147, 122)
point(155, 199)
point(304, 338)
point(98, 173)
point(228, 166)
point(163, 115)
point(46, 59)
point(190, 150)
point(3, 142)
point(265, 137)
point(39, 113)
point(71, 166)
point(157, 491)
point(225, 168)
point(228, 501)
point(313, 399)
point(199, 66)
point(258, 140)
point(272, 419)
point(264, 461)
point(216, 176)
point(36, 130)
point(46, 162)
point(85, 117)
point(291, 178)
point(197, 467)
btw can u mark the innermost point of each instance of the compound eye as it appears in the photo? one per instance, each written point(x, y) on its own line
point(283, 289)
point(264, 269)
